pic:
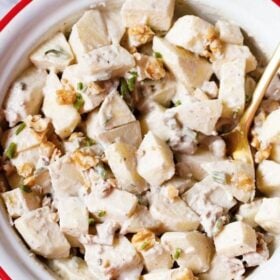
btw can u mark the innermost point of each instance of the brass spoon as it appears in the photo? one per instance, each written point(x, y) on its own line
point(237, 140)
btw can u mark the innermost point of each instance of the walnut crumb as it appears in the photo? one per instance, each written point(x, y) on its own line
point(26, 170)
point(143, 240)
point(84, 160)
point(140, 35)
point(154, 69)
point(65, 97)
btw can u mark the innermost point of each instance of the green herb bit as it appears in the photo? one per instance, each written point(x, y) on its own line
point(177, 253)
point(219, 225)
point(80, 86)
point(157, 55)
point(124, 90)
point(11, 151)
point(20, 128)
point(219, 177)
point(178, 103)
point(144, 246)
point(91, 221)
point(88, 142)
point(101, 171)
point(25, 189)
point(101, 213)
point(79, 103)
point(132, 82)
point(56, 52)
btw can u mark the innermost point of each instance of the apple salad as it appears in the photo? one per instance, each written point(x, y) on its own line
point(114, 165)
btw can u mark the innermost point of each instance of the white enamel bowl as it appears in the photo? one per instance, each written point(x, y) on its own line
point(260, 19)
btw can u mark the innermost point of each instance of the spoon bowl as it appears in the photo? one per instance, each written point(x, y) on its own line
point(237, 140)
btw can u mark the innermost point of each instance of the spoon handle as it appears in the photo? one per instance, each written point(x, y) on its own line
point(260, 90)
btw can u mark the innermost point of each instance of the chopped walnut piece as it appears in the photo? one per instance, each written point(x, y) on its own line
point(143, 240)
point(172, 192)
point(84, 159)
point(65, 97)
point(140, 35)
point(26, 169)
point(154, 69)
point(245, 182)
point(263, 154)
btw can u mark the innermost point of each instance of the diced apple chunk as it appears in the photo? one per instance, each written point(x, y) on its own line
point(236, 239)
point(114, 112)
point(66, 179)
point(232, 52)
point(195, 249)
point(268, 178)
point(26, 162)
point(160, 91)
point(191, 70)
point(88, 33)
point(64, 126)
point(155, 160)
point(122, 160)
point(248, 211)
point(73, 216)
point(19, 202)
point(154, 121)
point(170, 274)
point(174, 215)
point(92, 93)
point(156, 13)
point(269, 131)
point(27, 139)
point(92, 126)
point(140, 220)
point(232, 88)
point(118, 205)
point(268, 216)
point(114, 24)
point(71, 268)
point(229, 33)
point(54, 54)
point(238, 177)
point(128, 133)
point(25, 96)
point(224, 268)
point(194, 162)
point(201, 116)
point(216, 194)
point(156, 258)
point(107, 62)
point(191, 33)
point(42, 234)
point(118, 257)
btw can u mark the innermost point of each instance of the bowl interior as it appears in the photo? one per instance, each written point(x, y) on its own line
point(42, 18)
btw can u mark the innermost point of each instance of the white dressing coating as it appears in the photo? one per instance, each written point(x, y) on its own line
point(114, 154)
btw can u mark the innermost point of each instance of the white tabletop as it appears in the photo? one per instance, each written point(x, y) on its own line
point(5, 5)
